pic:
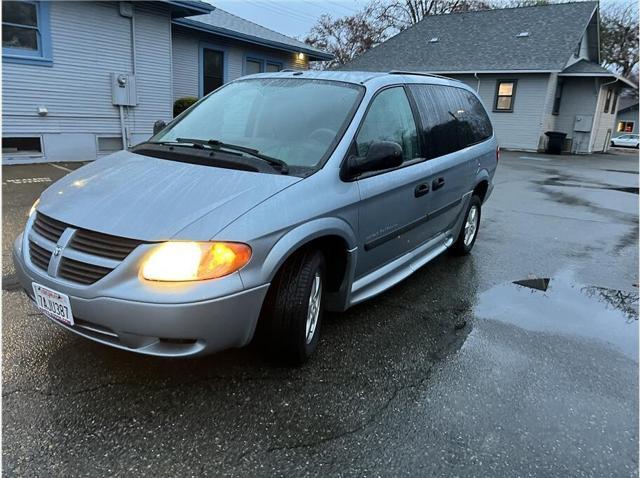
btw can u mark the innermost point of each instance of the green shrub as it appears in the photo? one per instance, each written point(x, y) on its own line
point(182, 104)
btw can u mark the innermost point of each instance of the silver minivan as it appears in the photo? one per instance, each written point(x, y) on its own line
point(274, 198)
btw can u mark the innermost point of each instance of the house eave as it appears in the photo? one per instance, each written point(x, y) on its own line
point(312, 54)
point(621, 79)
point(489, 72)
point(184, 8)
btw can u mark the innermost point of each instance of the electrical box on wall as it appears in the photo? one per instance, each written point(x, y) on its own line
point(123, 89)
point(583, 123)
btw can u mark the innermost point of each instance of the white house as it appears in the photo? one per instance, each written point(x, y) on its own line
point(82, 79)
point(535, 68)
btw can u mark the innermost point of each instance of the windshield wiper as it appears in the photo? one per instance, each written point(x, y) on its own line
point(216, 144)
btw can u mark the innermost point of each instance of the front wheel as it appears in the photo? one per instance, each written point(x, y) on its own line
point(469, 231)
point(292, 313)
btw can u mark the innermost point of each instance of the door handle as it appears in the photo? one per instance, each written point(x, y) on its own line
point(421, 190)
point(437, 183)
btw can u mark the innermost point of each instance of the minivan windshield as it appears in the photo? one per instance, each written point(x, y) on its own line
point(293, 120)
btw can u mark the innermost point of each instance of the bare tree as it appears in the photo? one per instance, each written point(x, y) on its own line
point(405, 13)
point(619, 37)
point(349, 36)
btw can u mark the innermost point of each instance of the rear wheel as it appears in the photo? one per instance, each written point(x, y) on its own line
point(469, 231)
point(292, 314)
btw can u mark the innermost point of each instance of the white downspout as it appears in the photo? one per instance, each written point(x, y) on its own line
point(123, 129)
point(478, 85)
point(126, 132)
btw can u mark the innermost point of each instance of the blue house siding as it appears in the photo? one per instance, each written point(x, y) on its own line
point(89, 41)
point(85, 43)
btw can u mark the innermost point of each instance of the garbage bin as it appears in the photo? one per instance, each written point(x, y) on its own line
point(554, 144)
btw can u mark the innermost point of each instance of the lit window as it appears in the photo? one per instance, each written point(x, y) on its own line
point(625, 126)
point(505, 94)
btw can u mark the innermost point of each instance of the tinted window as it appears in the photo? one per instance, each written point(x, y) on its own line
point(389, 119)
point(452, 119)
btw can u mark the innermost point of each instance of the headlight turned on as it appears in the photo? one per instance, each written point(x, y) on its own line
point(193, 261)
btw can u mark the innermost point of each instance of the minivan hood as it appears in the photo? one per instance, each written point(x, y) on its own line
point(140, 197)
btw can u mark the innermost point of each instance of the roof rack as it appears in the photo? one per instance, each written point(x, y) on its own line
point(401, 72)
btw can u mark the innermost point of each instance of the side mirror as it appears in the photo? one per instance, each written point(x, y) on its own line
point(381, 155)
point(158, 126)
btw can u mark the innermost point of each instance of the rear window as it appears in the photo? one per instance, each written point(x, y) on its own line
point(452, 119)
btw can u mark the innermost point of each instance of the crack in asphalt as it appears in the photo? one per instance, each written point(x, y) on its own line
point(373, 418)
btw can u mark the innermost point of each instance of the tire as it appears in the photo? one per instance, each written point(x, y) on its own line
point(286, 329)
point(462, 247)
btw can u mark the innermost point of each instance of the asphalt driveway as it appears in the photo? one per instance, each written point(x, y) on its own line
point(456, 371)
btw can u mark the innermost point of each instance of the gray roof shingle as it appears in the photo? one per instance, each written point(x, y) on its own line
point(484, 41)
point(226, 24)
point(627, 103)
point(586, 67)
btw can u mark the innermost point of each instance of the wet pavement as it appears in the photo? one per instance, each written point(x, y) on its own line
point(456, 371)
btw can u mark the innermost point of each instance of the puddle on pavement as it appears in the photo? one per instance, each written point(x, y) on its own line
point(561, 306)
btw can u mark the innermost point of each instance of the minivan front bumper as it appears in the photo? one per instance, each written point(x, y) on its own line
point(168, 329)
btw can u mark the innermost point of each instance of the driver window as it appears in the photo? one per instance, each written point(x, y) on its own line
point(389, 119)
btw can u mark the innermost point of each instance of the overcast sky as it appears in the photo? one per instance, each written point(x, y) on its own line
point(290, 17)
point(296, 17)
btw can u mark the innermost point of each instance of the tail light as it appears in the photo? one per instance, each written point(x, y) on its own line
point(497, 154)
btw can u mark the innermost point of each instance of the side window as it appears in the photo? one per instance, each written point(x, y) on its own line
point(473, 119)
point(452, 119)
point(389, 119)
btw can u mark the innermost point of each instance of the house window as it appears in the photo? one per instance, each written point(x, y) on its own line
point(505, 95)
point(252, 66)
point(258, 65)
point(21, 145)
point(109, 144)
point(25, 32)
point(615, 103)
point(557, 98)
point(212, 70)
point(607, 101)
point(625, 126)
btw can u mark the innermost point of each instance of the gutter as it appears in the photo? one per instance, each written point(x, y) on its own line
point(224, 32)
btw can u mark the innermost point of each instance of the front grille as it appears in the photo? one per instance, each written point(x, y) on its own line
point(103, 245)
point(48, 227)
point(81, 271)
point(92, 243)
point(39, 257)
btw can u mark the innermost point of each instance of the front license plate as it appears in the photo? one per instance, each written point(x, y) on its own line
point(53, 304)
